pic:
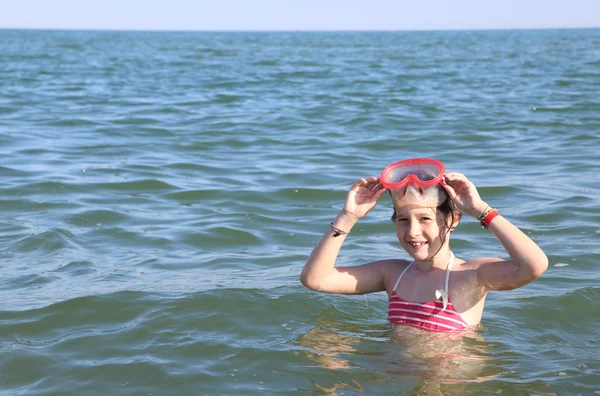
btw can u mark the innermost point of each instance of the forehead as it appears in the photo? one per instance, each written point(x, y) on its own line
point(414, 210)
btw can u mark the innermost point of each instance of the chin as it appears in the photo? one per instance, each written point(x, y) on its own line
point(419, 255)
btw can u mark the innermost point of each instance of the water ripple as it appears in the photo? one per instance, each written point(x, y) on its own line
point(162, 191)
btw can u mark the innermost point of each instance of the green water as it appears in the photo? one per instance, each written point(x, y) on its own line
point(162, 191)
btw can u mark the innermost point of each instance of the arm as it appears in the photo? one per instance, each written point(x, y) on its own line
point(319, 272)
point(527, 261)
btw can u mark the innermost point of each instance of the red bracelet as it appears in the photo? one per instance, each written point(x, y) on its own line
point(485, 222)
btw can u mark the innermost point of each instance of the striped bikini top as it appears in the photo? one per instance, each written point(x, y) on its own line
point(438, 315)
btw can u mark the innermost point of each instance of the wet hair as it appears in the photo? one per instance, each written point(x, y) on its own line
point(451, 213)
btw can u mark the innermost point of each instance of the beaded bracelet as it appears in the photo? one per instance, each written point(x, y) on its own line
point(485, 222)
point(486, 212)
point(336, 231)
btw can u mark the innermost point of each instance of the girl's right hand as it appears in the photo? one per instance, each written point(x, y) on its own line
point(363, 197)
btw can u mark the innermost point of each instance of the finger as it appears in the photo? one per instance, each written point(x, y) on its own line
point(375, 185)
point(449, 190)
point(377, 195)
point(372, 183)
point(454, 181)
point(378, 187)
point(453, 176)
point(360, 182)
point(380, 193)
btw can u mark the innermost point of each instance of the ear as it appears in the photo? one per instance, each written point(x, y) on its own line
point(454, 220)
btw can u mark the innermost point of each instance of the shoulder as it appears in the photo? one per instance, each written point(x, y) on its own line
point(391, 270)
point(468, 271)
point(466, 291)
point(388, 266)
point(393, 264)
point(476, 263)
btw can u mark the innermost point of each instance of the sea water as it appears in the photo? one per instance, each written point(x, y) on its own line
point(162, 191)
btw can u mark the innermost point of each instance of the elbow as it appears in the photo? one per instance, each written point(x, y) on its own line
point(304, 280)
point(314, 282)
point(539, 267)
point(528, 272)
point(542, 266)
point(307, 281)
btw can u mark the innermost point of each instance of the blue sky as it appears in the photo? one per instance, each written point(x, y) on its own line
point(298, 14)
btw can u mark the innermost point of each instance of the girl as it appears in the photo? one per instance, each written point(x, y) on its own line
point(435, 290)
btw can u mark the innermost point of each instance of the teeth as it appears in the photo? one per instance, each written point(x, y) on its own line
point(417, 244)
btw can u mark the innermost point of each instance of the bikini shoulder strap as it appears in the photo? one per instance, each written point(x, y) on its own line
point(448, 268)
point(401, 275)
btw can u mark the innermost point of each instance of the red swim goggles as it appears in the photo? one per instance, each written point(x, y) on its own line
point(424, 172)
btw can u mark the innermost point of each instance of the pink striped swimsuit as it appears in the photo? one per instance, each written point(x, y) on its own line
point(433, 315)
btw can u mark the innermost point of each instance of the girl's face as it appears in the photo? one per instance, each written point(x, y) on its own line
point(420, 231)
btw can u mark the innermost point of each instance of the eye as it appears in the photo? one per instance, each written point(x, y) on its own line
point(424, 218)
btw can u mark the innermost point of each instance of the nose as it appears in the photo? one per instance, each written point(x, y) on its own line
point(414, 229)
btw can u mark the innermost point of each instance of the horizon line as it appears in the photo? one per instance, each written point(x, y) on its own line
point(291, 30)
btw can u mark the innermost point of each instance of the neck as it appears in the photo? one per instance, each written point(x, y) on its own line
point(439, 261)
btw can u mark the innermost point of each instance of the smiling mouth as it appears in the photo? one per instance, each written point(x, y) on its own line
point(417, 245)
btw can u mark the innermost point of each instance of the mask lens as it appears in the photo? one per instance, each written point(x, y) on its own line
point(428, 171)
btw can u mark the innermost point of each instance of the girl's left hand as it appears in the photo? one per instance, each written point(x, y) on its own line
point(464, 194)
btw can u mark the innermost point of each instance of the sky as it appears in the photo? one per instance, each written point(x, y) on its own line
point(298, 14)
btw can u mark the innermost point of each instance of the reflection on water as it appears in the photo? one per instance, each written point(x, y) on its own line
point(429, 363)
point(325, 347)
point(443, 361)
point(332, 389)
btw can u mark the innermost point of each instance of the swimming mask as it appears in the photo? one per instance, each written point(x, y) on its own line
point(415, 182)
